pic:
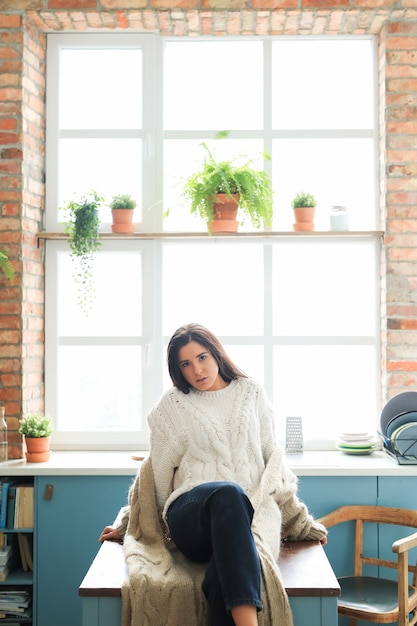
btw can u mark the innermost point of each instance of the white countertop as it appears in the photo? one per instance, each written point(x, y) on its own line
point(121, 463)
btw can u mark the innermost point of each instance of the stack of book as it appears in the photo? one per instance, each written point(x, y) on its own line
point(16, 505)
point(5, 554)
point(15, 604)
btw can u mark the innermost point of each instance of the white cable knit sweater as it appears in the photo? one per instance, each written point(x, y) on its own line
point(204, 436)
point(224, 435)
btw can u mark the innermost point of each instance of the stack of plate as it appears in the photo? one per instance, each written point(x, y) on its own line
point(357, 443)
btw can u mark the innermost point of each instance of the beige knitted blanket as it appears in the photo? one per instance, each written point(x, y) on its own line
point(163, 588)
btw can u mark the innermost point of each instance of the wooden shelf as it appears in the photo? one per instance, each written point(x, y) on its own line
point(238, 235)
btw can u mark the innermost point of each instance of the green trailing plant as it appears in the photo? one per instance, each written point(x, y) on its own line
point(36, 425)
point(303, 199)
point(6, 266)
point(122, 201)
point(82, 229)
point(253, 186)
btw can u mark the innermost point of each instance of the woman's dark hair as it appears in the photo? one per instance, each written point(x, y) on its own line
point(195, 332)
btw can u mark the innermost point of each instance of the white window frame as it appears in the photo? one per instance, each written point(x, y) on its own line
point(152, 339)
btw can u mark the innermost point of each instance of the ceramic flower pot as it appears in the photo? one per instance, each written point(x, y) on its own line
point(225, 211)
point(304, 218)
point(38, 449)
point(122, 221)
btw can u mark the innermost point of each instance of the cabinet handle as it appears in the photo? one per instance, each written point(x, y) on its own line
point(48, 492)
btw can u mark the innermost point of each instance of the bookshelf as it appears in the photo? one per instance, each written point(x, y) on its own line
point(16, 550)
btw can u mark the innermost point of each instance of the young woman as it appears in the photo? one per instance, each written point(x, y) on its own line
point(212, 435)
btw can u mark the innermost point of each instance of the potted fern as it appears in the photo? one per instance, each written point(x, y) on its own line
point(222, 186)
point(37, 430)
point(304, 207)
point(122, 209)
point(82, 229)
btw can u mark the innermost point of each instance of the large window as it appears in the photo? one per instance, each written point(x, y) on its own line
point(300, 314)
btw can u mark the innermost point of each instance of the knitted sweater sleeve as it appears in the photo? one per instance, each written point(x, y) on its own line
point(164, 450)
point(297, 523)
point(267, 427)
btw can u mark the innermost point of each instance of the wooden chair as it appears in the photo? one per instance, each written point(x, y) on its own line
point(377, 599)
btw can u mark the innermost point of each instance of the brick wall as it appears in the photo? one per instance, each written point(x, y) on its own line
point(22, 89)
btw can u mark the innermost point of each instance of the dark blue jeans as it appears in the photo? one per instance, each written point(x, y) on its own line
point(212, 523)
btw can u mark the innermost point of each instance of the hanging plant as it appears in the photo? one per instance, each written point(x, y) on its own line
point(6, 266)
point(82, 229)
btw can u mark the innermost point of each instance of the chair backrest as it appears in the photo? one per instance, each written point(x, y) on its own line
point(361, 514)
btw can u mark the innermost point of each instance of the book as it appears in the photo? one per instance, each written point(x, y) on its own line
point(5, 553)
point(4, 572)
point(27, 550)
point(11, 506)
point(3, 503)
point(24, 507)
point(22, 552)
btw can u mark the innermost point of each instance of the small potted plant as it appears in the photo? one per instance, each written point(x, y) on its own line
point(6, 266)
point(122, 208)
point(220, 186)
point(37, 429)
point(82, 229)
point(304, 206)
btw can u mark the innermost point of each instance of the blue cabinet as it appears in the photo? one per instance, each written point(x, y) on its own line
point(323, 494)
point(68, 524)
point(67, 530)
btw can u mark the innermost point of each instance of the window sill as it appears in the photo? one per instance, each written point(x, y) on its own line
point(121, 463)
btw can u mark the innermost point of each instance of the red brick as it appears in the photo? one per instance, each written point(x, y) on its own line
point(325, 4)
point(11, 153)
point(403, 254)
point(10, 93)
point(408, 169)
point(374, 4)
point(72, 4)
point(10, 381)
point(9, 166)
point(402, 84)
point(402, 156)
point(402, 27)
point(10, 21)
point(405, 366)
point(401, 43)
point(8, 123)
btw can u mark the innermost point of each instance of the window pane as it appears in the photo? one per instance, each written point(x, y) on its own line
point(336, 171)
point(184, 157)
point(204, 82)
point(118, 289)
point(100, 88)
point(322, 84)
point(219, 286)
point(324, 289)
point(333, 388)
point(99, 388)
point(250, 359)
point(110, 166)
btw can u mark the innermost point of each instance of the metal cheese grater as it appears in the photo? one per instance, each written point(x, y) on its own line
point(294, 435)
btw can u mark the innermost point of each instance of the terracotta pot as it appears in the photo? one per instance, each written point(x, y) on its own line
point(37, 449)
point(304, 213)
point(303, 226)
point(304, 218)
point(122, 220)
point(225, 211)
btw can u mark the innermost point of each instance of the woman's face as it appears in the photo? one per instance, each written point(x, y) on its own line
point(200, 368)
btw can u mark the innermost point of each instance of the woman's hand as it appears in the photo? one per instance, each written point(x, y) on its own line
point(110, 534)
